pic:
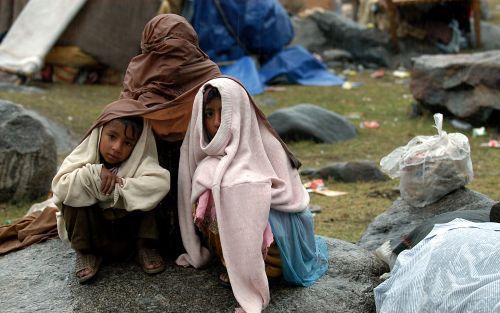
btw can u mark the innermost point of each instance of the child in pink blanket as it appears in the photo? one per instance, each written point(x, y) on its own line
point(249, 201)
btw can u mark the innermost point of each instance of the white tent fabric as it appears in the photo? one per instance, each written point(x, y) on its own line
point(454, 269)
point(34, 32)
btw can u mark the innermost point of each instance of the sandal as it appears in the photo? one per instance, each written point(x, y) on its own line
point(147, 257)
point(88, 262)
point(224, 279)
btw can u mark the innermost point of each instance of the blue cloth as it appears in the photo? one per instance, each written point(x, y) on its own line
point(298, 66)
point(246, 72)
point(304, 256)
point(262, 27)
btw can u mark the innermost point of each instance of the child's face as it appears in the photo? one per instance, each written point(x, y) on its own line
point(212, 115)
point(117, 142)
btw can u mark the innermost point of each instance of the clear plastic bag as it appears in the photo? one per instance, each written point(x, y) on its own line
point(430, 167)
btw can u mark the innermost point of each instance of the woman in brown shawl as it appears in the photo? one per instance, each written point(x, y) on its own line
point(160, 85)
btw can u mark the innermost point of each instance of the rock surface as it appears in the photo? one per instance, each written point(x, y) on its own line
point(348, 172)
point(311, 122)
point(490, 36)
point(321, 31)
point(40, 279)
point(12, 87)
point(64, 138)
point(466, 85)
point(28, 156)
point(401, 218)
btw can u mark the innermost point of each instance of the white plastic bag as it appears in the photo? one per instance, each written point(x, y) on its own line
point(430, 166)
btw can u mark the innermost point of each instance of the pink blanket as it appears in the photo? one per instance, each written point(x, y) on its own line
point(206, 209)
point(248, 172)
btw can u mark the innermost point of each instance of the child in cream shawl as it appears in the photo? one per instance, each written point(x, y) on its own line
point(107, 189)
point(248, 172)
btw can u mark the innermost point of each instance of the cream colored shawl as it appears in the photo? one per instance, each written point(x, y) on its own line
point(248, 171)
point(145, 183)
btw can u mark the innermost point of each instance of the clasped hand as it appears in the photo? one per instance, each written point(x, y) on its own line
point(108, 181)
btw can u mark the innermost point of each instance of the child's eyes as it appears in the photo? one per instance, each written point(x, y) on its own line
point(209, 114)
point(130, 144)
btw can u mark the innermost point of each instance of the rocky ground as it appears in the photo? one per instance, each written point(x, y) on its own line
point(40, 278)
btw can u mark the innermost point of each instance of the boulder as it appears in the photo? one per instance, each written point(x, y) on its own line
point(490, 36)
point(401, 218)
point(308, 35)
point(348, 172)
point(64, 138)
point(367, 46)
point(311, 122)
point(41, 279)
point(323, 30)
point(15, 87)
point(336, 58)
point(28, 156)
point(466, 85)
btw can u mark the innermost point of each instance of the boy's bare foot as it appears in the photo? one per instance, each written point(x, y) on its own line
point(86, 266)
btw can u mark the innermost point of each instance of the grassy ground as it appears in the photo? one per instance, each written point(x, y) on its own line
point(386, 100)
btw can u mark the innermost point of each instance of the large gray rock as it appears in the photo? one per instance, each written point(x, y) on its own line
point(321, 31)
point(311, 122)
point(28, 156)
point(40, 279)
point(401, 218)
point(308, 34)
point(14, 87)
point(367, 46)
point(466, 85)
point(64, 138)
point(348, 172)
point(490, 36)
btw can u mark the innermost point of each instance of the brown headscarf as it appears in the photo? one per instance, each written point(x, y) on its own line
point(161, 82)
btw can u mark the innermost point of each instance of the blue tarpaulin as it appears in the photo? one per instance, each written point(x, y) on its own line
point(298, 66)
point(233, 30)
point(245, 70)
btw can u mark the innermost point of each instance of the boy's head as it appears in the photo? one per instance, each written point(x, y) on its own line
point(118, 139)
point(212, 111)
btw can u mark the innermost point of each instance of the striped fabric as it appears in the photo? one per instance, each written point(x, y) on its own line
point(456, 268)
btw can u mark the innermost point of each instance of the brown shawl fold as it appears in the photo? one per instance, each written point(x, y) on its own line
point(164, 78)
point(32, 228)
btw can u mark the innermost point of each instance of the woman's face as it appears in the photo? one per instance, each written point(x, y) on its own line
point(212, 116)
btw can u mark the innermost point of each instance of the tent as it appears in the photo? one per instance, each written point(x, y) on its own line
point(108, 30)
point(232, 32)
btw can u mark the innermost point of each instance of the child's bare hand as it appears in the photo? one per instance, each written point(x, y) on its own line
point(108, 181)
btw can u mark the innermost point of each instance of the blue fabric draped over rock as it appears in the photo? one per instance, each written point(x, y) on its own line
point(304, 256)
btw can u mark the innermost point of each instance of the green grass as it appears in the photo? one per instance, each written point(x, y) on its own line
point(10, 211)
point(344, 217)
